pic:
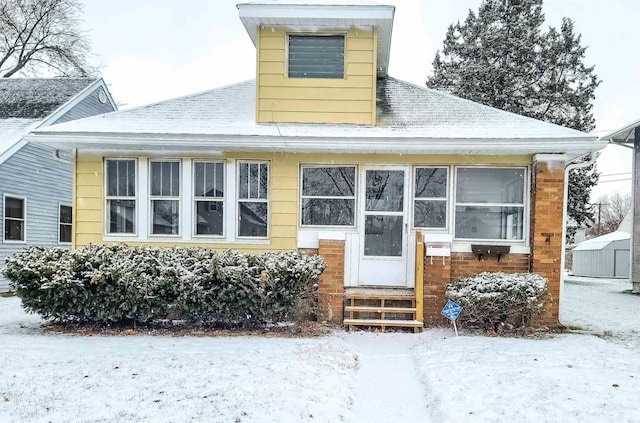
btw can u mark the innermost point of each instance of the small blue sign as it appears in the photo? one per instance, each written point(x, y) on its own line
point(451, 310)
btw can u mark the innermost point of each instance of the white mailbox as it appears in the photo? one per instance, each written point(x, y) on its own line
point(437, 245)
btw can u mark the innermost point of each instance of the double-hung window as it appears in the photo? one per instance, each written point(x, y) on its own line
point(208, 197)
point(121, 196)
point(64, 224)
point(328, 196)
point(316, 56)
point(164, 196)
point(14, 219)
point(253, 206)
point(430, 197)
point(489, 203)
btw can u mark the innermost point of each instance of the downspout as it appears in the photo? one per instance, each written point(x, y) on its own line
point(590, 160)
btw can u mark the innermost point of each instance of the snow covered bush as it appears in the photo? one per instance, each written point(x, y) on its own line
point(118, 283)
point(491, 301)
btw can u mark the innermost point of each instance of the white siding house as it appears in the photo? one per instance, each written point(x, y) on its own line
point(606, 256)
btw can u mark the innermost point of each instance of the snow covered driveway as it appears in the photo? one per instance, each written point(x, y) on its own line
point(345, 377)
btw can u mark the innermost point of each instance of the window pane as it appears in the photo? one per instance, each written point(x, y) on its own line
point(121, 178)
point(383, 236)
point(65, 233)
point(489, 222)
point(252, 219)
point(243, 181)
point(209, 180)
point(328, 181)
point(430, 214)
point(316, 56)
point(431, 183)
point(121, 216)
point(13, 230)
point(484, 185)
point(65, 214)
point(165, 217)
point(385, 190)
point(253, 180)
point(330, 212)
point(165, 179)
point(14, 207)
point(209, 217)
point(264, 181)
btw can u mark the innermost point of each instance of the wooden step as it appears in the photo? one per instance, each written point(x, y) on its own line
point(379, 322)
point(379, 297)
point(374, 309)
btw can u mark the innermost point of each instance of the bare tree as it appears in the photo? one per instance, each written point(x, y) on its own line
point(42, 36)
point(609, 213)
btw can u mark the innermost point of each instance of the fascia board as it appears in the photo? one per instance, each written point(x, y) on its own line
point(314, 144)
point(624, 132)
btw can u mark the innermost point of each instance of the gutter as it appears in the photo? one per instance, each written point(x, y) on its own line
point(591, 157)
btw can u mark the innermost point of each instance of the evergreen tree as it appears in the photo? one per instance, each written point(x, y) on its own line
point(501, 57)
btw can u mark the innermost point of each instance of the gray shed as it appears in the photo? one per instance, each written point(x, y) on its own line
point(606, 256)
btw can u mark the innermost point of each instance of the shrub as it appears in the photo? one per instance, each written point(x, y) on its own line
point(491, 301)
point(118, 283)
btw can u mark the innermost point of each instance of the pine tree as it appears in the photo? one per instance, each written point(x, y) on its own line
point(501, 57)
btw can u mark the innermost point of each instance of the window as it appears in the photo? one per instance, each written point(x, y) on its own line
point(316, 56)
point(328, 196)
point(430, 197)
point(64, 224)
point(121, 196)
point(490, 203)
point(14, 219)
point(253, 186)
point(164, 195)
point(208, 197)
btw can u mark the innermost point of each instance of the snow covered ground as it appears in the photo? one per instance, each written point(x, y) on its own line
point(345, 377)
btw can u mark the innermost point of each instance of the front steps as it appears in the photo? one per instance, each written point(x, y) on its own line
point(381, 309)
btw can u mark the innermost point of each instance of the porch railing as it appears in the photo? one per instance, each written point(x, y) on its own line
point(419, 277)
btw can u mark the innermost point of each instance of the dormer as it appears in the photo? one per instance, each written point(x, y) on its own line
point(318, 62)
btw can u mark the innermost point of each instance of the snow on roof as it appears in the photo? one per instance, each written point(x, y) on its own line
point(12, 130)
point(601, 242)
point(33, 98)
point(404, 110)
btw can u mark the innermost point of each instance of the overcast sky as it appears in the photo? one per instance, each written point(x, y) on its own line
point(152, 50)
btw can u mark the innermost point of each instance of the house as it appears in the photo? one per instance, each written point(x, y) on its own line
point(606, 256)
point(629, 136)
point(36, 179)
point(325, 152)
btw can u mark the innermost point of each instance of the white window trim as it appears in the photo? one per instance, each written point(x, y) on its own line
point(60, 205)
point(239, 200)
point(354, 197)
point(195, 199)
point(106, 217)
point(321, 33)
point(151, 198)
point(4, 218)
point(465, 243)
point(446, 199)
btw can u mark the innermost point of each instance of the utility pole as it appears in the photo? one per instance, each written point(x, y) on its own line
point(599, 215)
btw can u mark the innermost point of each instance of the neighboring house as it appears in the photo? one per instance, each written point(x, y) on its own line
point(629, 136)
point(327, 153)
point(36, 180)
point(606, 256)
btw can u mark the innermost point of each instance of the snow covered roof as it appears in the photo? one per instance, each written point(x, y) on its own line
point(410, 119)
point(315, 15)
point(601, 242)
point(34, 98)
point(12, 130)
point(626, 134)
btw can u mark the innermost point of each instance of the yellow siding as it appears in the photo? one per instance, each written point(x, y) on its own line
point(283, 195)
point(315, 100)
point(88, 199)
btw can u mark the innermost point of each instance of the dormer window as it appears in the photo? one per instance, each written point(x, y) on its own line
point(316, 56)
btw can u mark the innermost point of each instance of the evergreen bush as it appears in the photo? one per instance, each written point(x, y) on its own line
point(493, 301)
point(119, 284)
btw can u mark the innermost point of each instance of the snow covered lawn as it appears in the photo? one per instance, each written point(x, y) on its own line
point(345, 377)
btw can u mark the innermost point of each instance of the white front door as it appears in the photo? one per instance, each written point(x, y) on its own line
point(383, 226)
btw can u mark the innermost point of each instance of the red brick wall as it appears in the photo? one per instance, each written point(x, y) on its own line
point(331, 283)
point(547, 196)
point(465, 264)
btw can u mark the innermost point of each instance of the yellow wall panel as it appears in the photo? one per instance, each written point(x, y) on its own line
point(316, 100)
point(278, 219)
point(89, 228)
point(89, 191)
point(284, 207)
point(284, 194)
point(284, 232)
